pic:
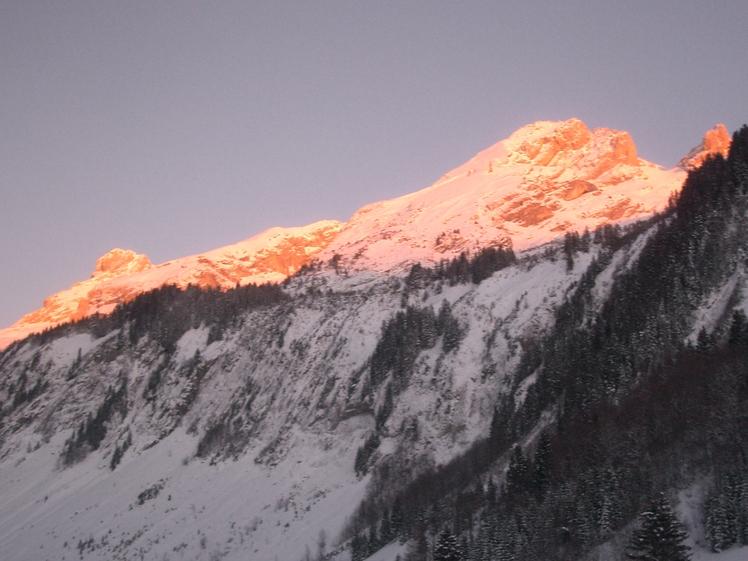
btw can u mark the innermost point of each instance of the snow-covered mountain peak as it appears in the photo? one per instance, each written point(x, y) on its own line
point(545, 179)
point(560, 144)
point(539, 143)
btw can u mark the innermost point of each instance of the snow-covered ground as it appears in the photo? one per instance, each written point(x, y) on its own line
point(164, 504)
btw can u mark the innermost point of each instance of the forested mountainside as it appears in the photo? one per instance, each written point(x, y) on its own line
point(640, 392)
point(491, 406)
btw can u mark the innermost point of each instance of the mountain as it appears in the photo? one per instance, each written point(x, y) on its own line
point(530, 402)
point(544, 180)
point(121, 274)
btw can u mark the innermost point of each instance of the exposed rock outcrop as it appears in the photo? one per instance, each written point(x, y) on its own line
point(120, 262)
point(716, 141)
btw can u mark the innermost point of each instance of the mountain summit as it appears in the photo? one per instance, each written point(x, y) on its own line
point(544, 180)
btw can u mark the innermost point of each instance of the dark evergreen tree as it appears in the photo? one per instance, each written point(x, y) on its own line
point(359, 548)
point(361, 463)
point(491, 493)
point(448, 326)
point(572, 243)
point(447, 548)
point(720, 523)
point(541, 467)
point(738, 328)
point(385, 531)
point(372, 543)
point(518, 473)
point(661, 536)
point(397, 520)
point(464, 549)
point(704, 341)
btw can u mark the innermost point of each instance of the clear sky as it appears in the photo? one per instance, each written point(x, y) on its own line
point(173, 128)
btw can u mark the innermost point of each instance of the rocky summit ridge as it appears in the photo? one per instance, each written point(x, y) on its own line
point(544, 180)
point(547, 178)
point(120, 275)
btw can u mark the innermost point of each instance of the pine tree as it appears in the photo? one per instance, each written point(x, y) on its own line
point(704, 341)
point(464, 548)
point(359, 549)
point(372, 543)
point(447, 548)
point(738, 328)
point(491, 493)
point(542, 467)
point(385, 530)
point(661, 536)
point(604, 524)
point(397, 520)
point(518, 472)
point(720, 523)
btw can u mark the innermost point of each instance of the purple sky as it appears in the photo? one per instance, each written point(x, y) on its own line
point(175, 128)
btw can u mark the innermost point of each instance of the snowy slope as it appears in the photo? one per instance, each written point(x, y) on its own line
point(291, 378)
point(295, 477)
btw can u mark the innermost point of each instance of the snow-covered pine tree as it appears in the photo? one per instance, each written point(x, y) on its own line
point(447, 548)
point(661, 536)
point(719, 524)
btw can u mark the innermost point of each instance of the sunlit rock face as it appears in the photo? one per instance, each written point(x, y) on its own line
point(120, 262)
point(544, 180)
point(73, 304)
point(120, 275)
point(716, 141)
point(570, 144)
